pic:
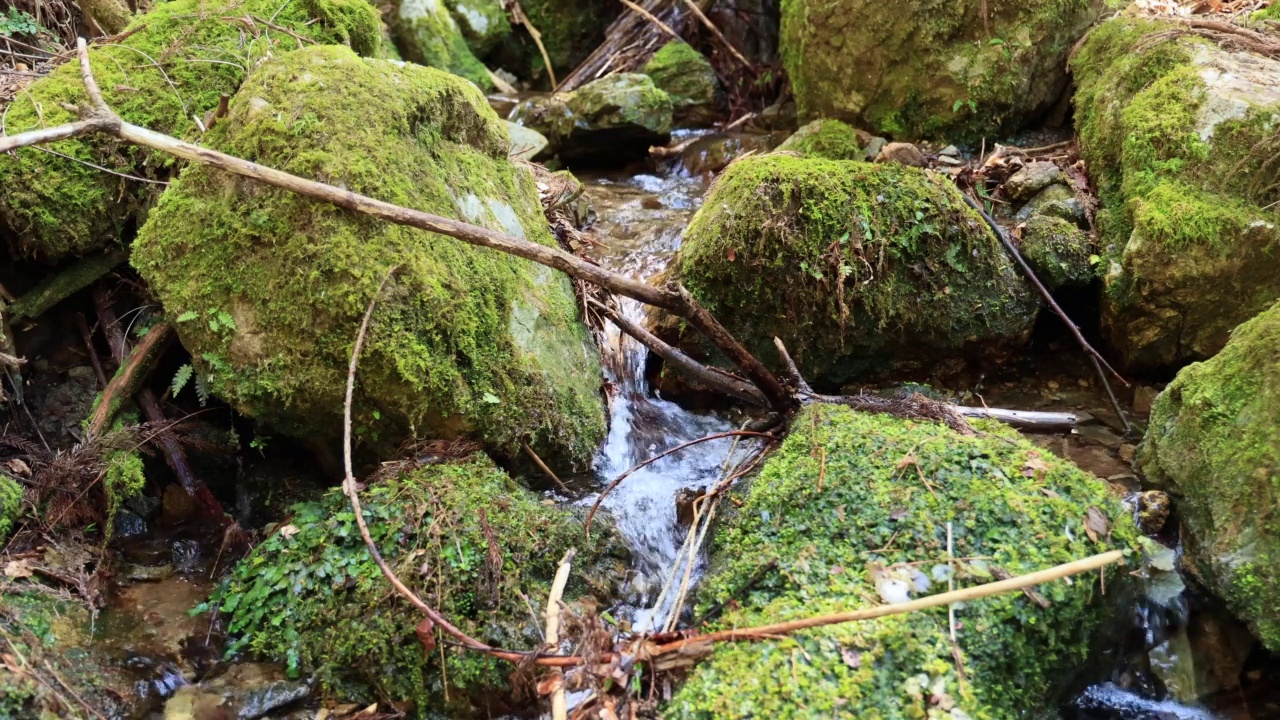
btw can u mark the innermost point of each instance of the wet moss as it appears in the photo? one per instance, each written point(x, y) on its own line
point(854, 265)
point(267, 288)
point(10, 505)
point(828, 139)
point(1058, 251)
point(958, 71)
point(483, 23)
point(848, 494)
point(181, 57)
point(1214, 441)
point(1188, 189)
point(687, 76)
point(463, 535)
point(426, 33)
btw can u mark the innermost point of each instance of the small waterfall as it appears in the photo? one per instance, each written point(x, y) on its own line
point(641, 222)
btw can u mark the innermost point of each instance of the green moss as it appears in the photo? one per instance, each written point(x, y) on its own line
point(10, 505)
point(124, 478)
point(1188, 190)
point(847, 491)
point(57, 207)
point(427, 34)
point(1214, 441)
point(687, 76)
point(1267, 13)
point(622, 99)
point(828, 139)
point(1058, 251)
point(930, 68)
point(60, 285)
point(462, 535)
point(570, 30)
point(269, 287)
point(853, 265)
point(483, 23)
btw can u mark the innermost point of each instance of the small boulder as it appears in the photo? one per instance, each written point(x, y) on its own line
point(1031, 179)
point(1058, 251)
point(427, 33)
point(1214, 444)
point(913, 70)
point(902, 154)
point(854, 507)
point(1178, 134)
point(1056, 200)
point(526, 143)
point(610, 121)
point(685, 75)
point(266, 288)
point(830, 139)
point(483, 23)
point(461, 533)
point(856, 266)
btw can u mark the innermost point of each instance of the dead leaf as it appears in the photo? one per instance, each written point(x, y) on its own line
point(907, 461)
point(371, 710)
point(1096, 524)
point(289, 531)
point(852, 658)
point(1050, 493)
point(1035, 467)
point(550, 684)
point(18, 569)
point(18, 467)
point(733, 254)
point(426, 634)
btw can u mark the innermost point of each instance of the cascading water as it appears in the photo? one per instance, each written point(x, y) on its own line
point(641, 220)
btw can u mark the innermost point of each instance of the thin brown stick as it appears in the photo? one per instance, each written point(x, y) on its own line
point(129, 377)
point(87, 336)
point(1076, 567)
point(559, 706)
point(630, 471)
point(517, 13)
point(801, 384)
point(543, 467)
point(651, 18)
point(706, 21)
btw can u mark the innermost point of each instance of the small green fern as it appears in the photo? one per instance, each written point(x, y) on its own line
point(181, 378)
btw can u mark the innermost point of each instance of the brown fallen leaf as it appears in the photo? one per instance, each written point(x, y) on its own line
point(18, 569)
point(426, 634)
point(550, 684)
point(1035, 467)
point(852, 658)
point(18, 467)
point(289, 531)
point(1096, 524)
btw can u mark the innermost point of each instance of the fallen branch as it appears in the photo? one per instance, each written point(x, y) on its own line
point(559, 707)
point(128, 379)
point(543, 467)
point(1016, 584)
point(518, 15)
point(706, 21)
point(1027, 419)
point(651, 18)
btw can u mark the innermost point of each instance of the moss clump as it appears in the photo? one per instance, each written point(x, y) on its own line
point(687, 76)
point(463, 535)
point(848, 494)
point(268, 288)
point(1188, 183)
point(928, 68)
point(427, 34)
point(853, 265)
point(1214, 442)
point(828, 139)
point(10, 505)
point(610, 120)
point(57, 207)
point(483, 23)
point(1058, 251)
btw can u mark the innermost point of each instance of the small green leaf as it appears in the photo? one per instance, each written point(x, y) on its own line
point(491, 398)
point(187, 316)
point(1094, 259)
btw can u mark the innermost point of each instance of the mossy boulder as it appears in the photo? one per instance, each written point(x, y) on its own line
point(462, 535)
point(426, 33)
point(856, 266)
point(1214, 443)
point(829, 139)
point(268, 288)
point(853, 497)
point(1181, 139)
point(687, 76)
point(931, 68)
point(1058, 251)
point(483, 23)
point(610, 121)
point(57, 207)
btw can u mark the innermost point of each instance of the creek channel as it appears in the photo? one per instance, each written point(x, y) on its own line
point(1150, 668)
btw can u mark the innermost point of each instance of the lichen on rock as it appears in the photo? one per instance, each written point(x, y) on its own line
point(464, 536)
point(854, 508)
point(685, 75)
point(1180, 137)
point(857, 267)
point(267, 288)
point(930, 69)
point(829, 139)
point(57, 207)
point(1214, 444)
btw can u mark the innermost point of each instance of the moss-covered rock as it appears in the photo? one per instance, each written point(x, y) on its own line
point(687, 76)
point(931, 68)
point(1214, 443)
point(1058, 251)
point(58, 207)
point(463, 535)
point(852, 496)
point(10, 505)
point(609, 121)
point(1181, 138)
point(855, 266)
point(570, 31)
point(829, 139)
point(483, 23)
point(267, 288)
point(426, 33)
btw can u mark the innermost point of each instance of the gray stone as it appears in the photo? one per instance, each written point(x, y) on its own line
point(1052, 194)
point(903, 154)
point(1033, 178)
point(874, 146)
point(526, 143)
